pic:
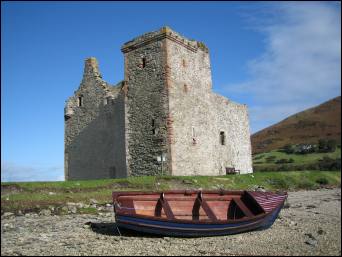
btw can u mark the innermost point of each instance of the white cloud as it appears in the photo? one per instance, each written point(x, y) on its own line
point(12, 172)
point(301, 66)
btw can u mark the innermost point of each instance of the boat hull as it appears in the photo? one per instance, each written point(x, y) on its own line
point(169, 228)
point(196, 213)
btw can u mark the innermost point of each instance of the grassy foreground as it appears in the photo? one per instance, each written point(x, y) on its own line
point(30, 196)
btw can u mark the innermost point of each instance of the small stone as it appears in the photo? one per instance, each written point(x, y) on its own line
point(320, 232)
point(311, 242)
point(93, 201)
point(108, 205)
point(64, 209)
point(73, 209)
point(45, 212)
point(7, 214)
point(80, 205)
point(292, 223)
point(52, 193)
point(286, 205)
point(167, 239)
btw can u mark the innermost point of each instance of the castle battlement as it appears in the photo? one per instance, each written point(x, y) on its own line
point(164, 32)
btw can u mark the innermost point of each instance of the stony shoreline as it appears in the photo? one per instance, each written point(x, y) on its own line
point(310, 225)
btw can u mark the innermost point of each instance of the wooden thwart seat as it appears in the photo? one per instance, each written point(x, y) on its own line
point(163, 203)
point(201, 202)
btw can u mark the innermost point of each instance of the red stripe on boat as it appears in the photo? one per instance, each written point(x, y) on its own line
point(268, 201)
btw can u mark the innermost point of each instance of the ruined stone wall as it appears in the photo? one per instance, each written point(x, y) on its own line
point(146, 105)
point(94, 131)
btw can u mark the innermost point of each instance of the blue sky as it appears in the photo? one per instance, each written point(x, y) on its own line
point(278, 58)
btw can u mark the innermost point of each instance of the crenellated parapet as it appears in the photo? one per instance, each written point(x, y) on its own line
point(161, 34)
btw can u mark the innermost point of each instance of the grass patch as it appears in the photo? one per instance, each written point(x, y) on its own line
point(89, 210)
point(281, 161)
point(271, 157)
point(33, 196)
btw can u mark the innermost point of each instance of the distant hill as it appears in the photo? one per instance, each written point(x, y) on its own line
point(320, 122)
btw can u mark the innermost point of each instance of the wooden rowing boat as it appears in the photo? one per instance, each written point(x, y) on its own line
point(196, 213)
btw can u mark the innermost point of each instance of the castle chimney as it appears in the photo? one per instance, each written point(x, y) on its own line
point(91, 68)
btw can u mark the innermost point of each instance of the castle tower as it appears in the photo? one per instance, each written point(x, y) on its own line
point(147, 105)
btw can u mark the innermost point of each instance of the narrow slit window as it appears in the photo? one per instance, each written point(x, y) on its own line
point(143, 62)
point(194, 141)
point(184, 63)
point(80, 101)
point(185, 88)
point(222, 138)
point(107, 100)
point(153, 127)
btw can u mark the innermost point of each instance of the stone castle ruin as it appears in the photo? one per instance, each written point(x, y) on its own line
point(163, 118)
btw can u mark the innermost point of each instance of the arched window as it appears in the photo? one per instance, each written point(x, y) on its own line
point(222, 138)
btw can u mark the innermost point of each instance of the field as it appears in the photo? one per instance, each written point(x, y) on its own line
point(272, 160)
point(33, 196)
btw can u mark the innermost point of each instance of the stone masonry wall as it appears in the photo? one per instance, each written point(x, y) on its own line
point(190, 83)
point(199, 116)
point(146, 106)
point(94, 132)
point(232, 119)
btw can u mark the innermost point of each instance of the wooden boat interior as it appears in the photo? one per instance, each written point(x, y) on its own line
point(188, 205)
